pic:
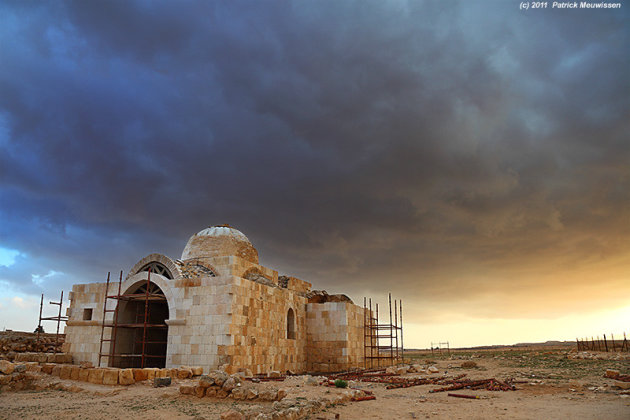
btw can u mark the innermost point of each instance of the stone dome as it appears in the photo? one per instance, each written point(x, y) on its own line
point(220, 241)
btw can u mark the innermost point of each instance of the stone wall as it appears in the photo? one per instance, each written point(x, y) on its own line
point(83, 337)
point(259, 329)
point(335, 336)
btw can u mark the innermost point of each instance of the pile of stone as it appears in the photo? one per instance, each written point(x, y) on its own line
point(14, 376)
point(218, 384)
point(414, 368)
point(585, 355)
point(12, 342)
point(43, 357)
point(321, 296)
point(292, 409)
point(116, 376)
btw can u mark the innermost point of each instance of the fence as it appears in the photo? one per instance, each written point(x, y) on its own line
point(597, 344)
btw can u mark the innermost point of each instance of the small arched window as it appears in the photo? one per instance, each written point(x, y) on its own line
point(291, 324)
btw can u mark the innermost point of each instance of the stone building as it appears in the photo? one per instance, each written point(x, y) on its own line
point(214, 307)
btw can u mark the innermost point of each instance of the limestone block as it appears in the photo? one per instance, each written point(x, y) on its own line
point(206, 381)
point(211, 392)
point(219, 377)
point(65, 372)
point(84, 374)
point(199, 391)
point(95, 375)
point(229, 384)
point(197, 371)
point(184, 373)
point(232, 415)
point(151, 373)
point(34, 368)
point(221, 393)
point(74, 373)
point(56, 370)
point(47, 368)
point(186, 389)
point(239, 393)
point(110, 376)
point(126, 377)
point(162, 373)
point(139, 375)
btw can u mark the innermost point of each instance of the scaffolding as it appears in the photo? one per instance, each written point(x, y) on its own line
point(437, 347)
point(382, 343)
point(140, 326)
point(57, 318)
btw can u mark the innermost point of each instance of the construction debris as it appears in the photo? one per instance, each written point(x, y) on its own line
point(471, 397)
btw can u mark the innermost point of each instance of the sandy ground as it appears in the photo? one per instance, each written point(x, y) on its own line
point(555, 388)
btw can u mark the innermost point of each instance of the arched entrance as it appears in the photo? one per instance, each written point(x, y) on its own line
point(141, 330)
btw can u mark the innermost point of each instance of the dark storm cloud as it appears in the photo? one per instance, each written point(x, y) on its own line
point(439, 145)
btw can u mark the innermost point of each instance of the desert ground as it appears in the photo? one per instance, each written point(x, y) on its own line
point(551, 383)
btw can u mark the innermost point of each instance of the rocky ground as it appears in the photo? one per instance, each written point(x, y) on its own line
point(553, 384)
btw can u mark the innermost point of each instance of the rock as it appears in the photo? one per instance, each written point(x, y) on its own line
point(274, 374)
point(268, 395)
point(163, 373)
point(238, 393)
point(185, 389)
point(197, 371)
point(35, 368)
point(433, 369)
point(622, 384)
point(87, 365)
point(140, 375)
point(211, 392)
point(6, 367)
point(206, 381)
point(5, 379)
point(402, 370)
point(391, 370)
point(96, 376)
point(200, 391)
point(252, 394)
point(469, 364)
point(247, 373)
point(126, 377)
point(281, 394)
point(611, 373)
point(221, 393)
point(232, 415)
point(56, 370)
point(219, 377)
point(160, 382)
point(47, 368)
point(229, 384)
point(309, 380)
point(74, 373)
point(110, 376)
point(84, 374)
point(184, 373)
point(151, 373)
point(65, 372)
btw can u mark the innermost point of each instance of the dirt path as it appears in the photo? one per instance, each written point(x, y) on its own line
point(555, 388)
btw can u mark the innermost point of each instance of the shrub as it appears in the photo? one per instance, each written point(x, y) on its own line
point(340, 383)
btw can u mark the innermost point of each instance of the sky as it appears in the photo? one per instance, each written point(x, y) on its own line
point(471, 158)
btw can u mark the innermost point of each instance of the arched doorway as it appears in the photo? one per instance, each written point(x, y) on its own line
point(138, 343)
